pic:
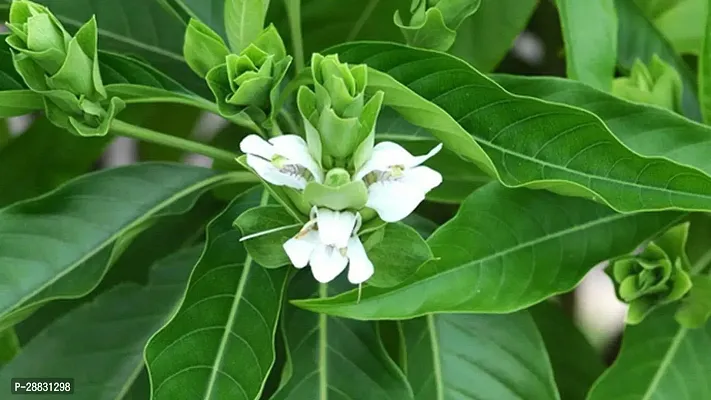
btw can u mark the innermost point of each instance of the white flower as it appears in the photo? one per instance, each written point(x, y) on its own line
point(282, 161)
point(397, 183)
point(329, 243)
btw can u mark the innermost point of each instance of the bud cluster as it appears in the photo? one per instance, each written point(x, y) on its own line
point(242, 82)
point(64, 69)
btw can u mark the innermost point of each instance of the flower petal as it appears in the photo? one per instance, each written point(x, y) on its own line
point(387, 154)
point(360, 268)
point(327, 263)
point(294, 148)
point(394, 200)
point(253, 144)
point(271, 174)
point(417, 160)
point(299, 250)
point(335, 227)
point(384, 155)
point(422, 177)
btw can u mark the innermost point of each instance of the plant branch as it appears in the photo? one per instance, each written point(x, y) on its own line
point(293, 10)
point(148, 135)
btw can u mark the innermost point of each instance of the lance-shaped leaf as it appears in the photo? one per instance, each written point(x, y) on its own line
point(229, 313)
point(485, 357)
point(576, 364)
point(331, 357)
point(650, 131)
point(566, 150)
point(590, 35)
point(100, 344)
point(244, 20)
point(659, 360)
point(639, 39)
point(504, 250)
point(80, 222)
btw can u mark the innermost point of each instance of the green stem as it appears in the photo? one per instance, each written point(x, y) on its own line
point(701, 263)
point(293, 10)
point(147, 135)
point(291, 123)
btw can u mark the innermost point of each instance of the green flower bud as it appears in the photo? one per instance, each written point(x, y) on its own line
point(248, 81)
point(64, 69)
point(657, 276)
point(434, 23)
point(340, 125)
point(657, 83)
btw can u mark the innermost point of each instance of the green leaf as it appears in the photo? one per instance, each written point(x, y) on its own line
point(137, 82)
point(99, 209)
point(659, 360)
point(244, 21)
point(229, 312)
point(639, 39)
point(502, 253)
point(136, 35)
point(705, 70)
point(169, 234)
point(646, 130)
point(19, 102)
point(9, 346)
point(484, 357)
point(567, 150)
point(576, 364)
point(680, 21)
point(42, 158)
point(695, 310)
point(266, 249)
point(204, 49)
point(100, 344)
point(329, 358)
point(397, 255)
point(475, 42)
point(590, 36)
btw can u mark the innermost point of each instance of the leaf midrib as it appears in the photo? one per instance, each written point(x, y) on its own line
point(165, 203)
point(666, 362)
point(469, 264)
point(237, 300)
point(436, 357)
